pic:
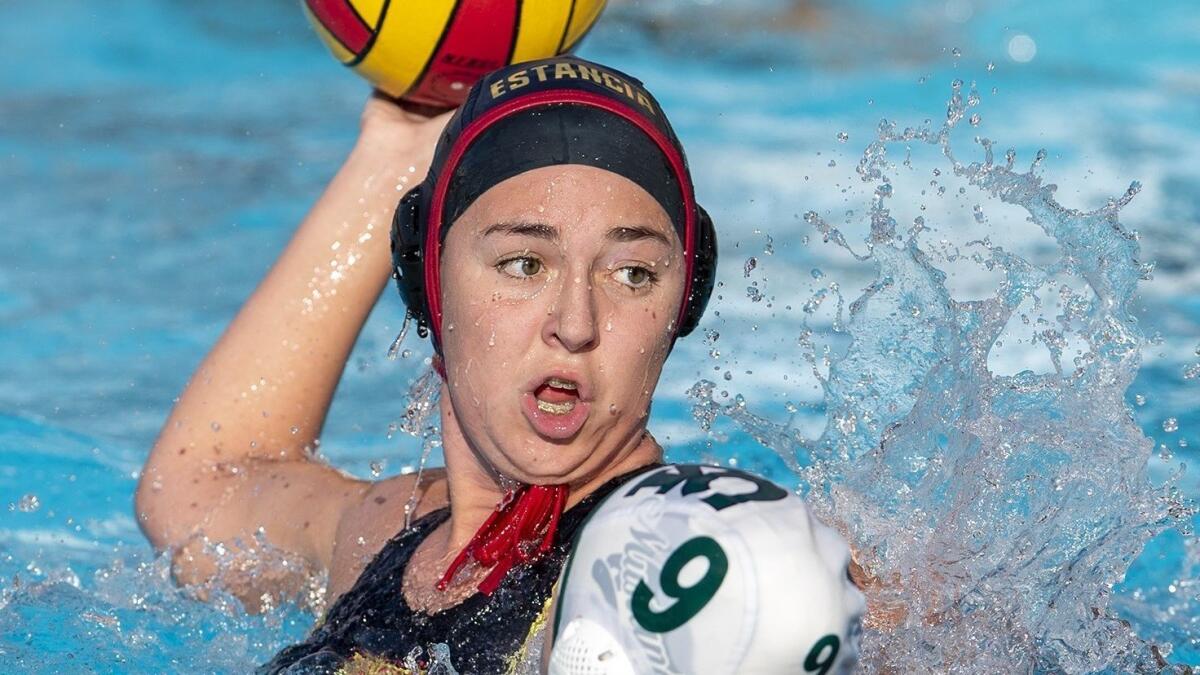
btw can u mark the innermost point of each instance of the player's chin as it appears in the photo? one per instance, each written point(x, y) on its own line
point(549, 462)
point(550, 465)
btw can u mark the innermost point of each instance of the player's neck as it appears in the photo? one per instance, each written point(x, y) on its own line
point(475, 488)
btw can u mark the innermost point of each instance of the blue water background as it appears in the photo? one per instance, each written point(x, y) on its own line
point(155, 157)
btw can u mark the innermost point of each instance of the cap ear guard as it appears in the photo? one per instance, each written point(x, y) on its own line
point(408, 263)
point(704, 272)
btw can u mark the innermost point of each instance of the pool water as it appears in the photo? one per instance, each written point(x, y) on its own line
point(994, 400)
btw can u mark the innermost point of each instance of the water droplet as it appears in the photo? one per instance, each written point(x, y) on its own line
point(1022, 48)
point(28, 503)
point(728, 376)
point(1140, 400)
point(751, 263)
point(991, 66)
point(1170, 425)
point(816, 273)
point(295, 430)
point(974, 120)
point(956, 52)
point(842, 137)
point(612, 409)
point(395, 346)
point(376, 468)
point(216, 426)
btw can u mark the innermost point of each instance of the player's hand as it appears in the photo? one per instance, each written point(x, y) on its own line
point(407, 127)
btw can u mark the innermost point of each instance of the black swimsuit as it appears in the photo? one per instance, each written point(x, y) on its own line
point(485, 634)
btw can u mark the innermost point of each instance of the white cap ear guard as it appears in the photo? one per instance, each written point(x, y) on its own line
point(690, 569)
point(586, 648)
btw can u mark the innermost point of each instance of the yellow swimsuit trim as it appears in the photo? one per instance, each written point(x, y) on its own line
point(515, 659)
point(367, 664)
point(364, 664)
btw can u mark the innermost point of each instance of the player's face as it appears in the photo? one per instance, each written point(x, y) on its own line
point(560, 291)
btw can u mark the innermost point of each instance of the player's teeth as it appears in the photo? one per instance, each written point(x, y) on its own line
point(561, 384)
point(556, 408)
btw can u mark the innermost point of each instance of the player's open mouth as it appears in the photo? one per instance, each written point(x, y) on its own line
point(556, 405)
point(557, 396)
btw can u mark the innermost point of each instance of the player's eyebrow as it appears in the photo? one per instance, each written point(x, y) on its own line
point(636, 232)
point(538, 230)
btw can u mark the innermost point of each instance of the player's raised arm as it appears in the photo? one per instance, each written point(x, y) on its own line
point(232, 460)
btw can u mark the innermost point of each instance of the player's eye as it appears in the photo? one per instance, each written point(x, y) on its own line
point(636, 276)
point(520, 267)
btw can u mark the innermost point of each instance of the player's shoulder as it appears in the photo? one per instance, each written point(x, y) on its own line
point(367, 525)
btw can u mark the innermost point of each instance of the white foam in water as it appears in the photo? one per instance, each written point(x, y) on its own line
point(997, 504)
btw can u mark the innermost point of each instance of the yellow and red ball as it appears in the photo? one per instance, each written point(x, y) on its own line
point(432, 51)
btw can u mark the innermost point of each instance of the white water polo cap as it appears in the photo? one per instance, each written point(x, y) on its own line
point(704, 569)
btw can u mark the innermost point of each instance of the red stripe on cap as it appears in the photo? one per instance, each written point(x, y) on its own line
point(340, 19)
point(433, 240)
point(478, 41)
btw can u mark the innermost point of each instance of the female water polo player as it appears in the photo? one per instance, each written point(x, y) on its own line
point(554, 252)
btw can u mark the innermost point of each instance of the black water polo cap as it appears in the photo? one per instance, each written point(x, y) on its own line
point(562, 110)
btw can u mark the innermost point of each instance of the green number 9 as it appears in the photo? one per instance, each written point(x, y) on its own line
point(690, 600)
point(814, 660)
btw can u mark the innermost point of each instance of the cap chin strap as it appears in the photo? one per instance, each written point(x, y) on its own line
point(519, 531)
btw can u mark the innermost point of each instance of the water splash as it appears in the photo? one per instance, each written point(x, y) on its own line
point(420, 420)
point(130, 613)
point(394, 350)
point(996, 512)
